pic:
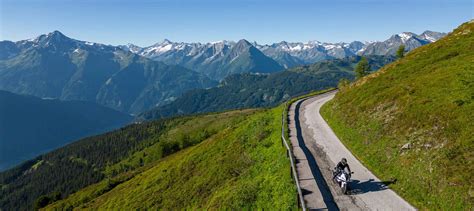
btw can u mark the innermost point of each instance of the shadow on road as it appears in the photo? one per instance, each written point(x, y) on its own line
point(323, 187)
point(306, 191)
point(358, 187)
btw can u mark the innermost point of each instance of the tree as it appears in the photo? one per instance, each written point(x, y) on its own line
point(401, 51)
point(45, 200)
point(41, 202)
point(362, 68)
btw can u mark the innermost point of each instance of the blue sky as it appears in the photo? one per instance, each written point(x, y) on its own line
point(145, 22)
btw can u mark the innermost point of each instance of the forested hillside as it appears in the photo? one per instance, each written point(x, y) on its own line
point(231, 152)
point(260, 90)
point(241, 166)
point(413, 120)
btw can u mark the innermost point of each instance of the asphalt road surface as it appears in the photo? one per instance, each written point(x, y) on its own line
point(317, 149)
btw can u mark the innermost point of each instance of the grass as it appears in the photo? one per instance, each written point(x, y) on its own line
point(243, 165)
point(180, 133)
point(424, 101)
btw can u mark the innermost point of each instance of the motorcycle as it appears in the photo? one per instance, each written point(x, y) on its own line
point(342, 179)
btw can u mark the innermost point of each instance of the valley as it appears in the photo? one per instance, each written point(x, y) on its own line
point(30, 126)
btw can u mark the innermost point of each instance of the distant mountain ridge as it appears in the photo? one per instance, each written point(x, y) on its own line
point(134, 79)
point(200, 56)
point(56, 66)
point(410, 40)
point(216, 60)
point(249, 90)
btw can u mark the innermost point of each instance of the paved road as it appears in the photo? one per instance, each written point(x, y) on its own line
point(316, 193)
point(317, 149)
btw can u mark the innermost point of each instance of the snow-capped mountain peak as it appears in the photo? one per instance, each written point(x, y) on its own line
point(166, 42)
point(58, 40)
point(431, 35)
point(314, 42)
point(224, 42)
point(410, 40)
point(405, 36)
point(55, 36)
point(286, 53)
point(132, 48)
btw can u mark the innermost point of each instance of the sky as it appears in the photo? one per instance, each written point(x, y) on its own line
point(145, 22)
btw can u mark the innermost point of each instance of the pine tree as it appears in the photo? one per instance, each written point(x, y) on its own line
point(401, 51)
point(362, 68)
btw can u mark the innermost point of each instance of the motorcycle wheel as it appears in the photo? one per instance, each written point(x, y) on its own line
point(344, 188)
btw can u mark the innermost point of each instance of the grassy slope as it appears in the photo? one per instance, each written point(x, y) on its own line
point(90, 160)
point(425, 99)
point(241, 166)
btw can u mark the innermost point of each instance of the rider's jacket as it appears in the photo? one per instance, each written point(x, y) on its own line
point(341, 166)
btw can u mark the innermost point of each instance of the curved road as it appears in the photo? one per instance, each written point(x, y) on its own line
point(317, 149)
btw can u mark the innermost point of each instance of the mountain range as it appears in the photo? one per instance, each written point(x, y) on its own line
point(410, 40)
point(132, 79)
point(56, 66)
point(216, 60)
point(249, 90)
point(210, 57)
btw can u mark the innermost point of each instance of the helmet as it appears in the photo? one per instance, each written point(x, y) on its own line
point(344, 161)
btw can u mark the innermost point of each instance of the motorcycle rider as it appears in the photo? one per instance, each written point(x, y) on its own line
point(341, 166)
